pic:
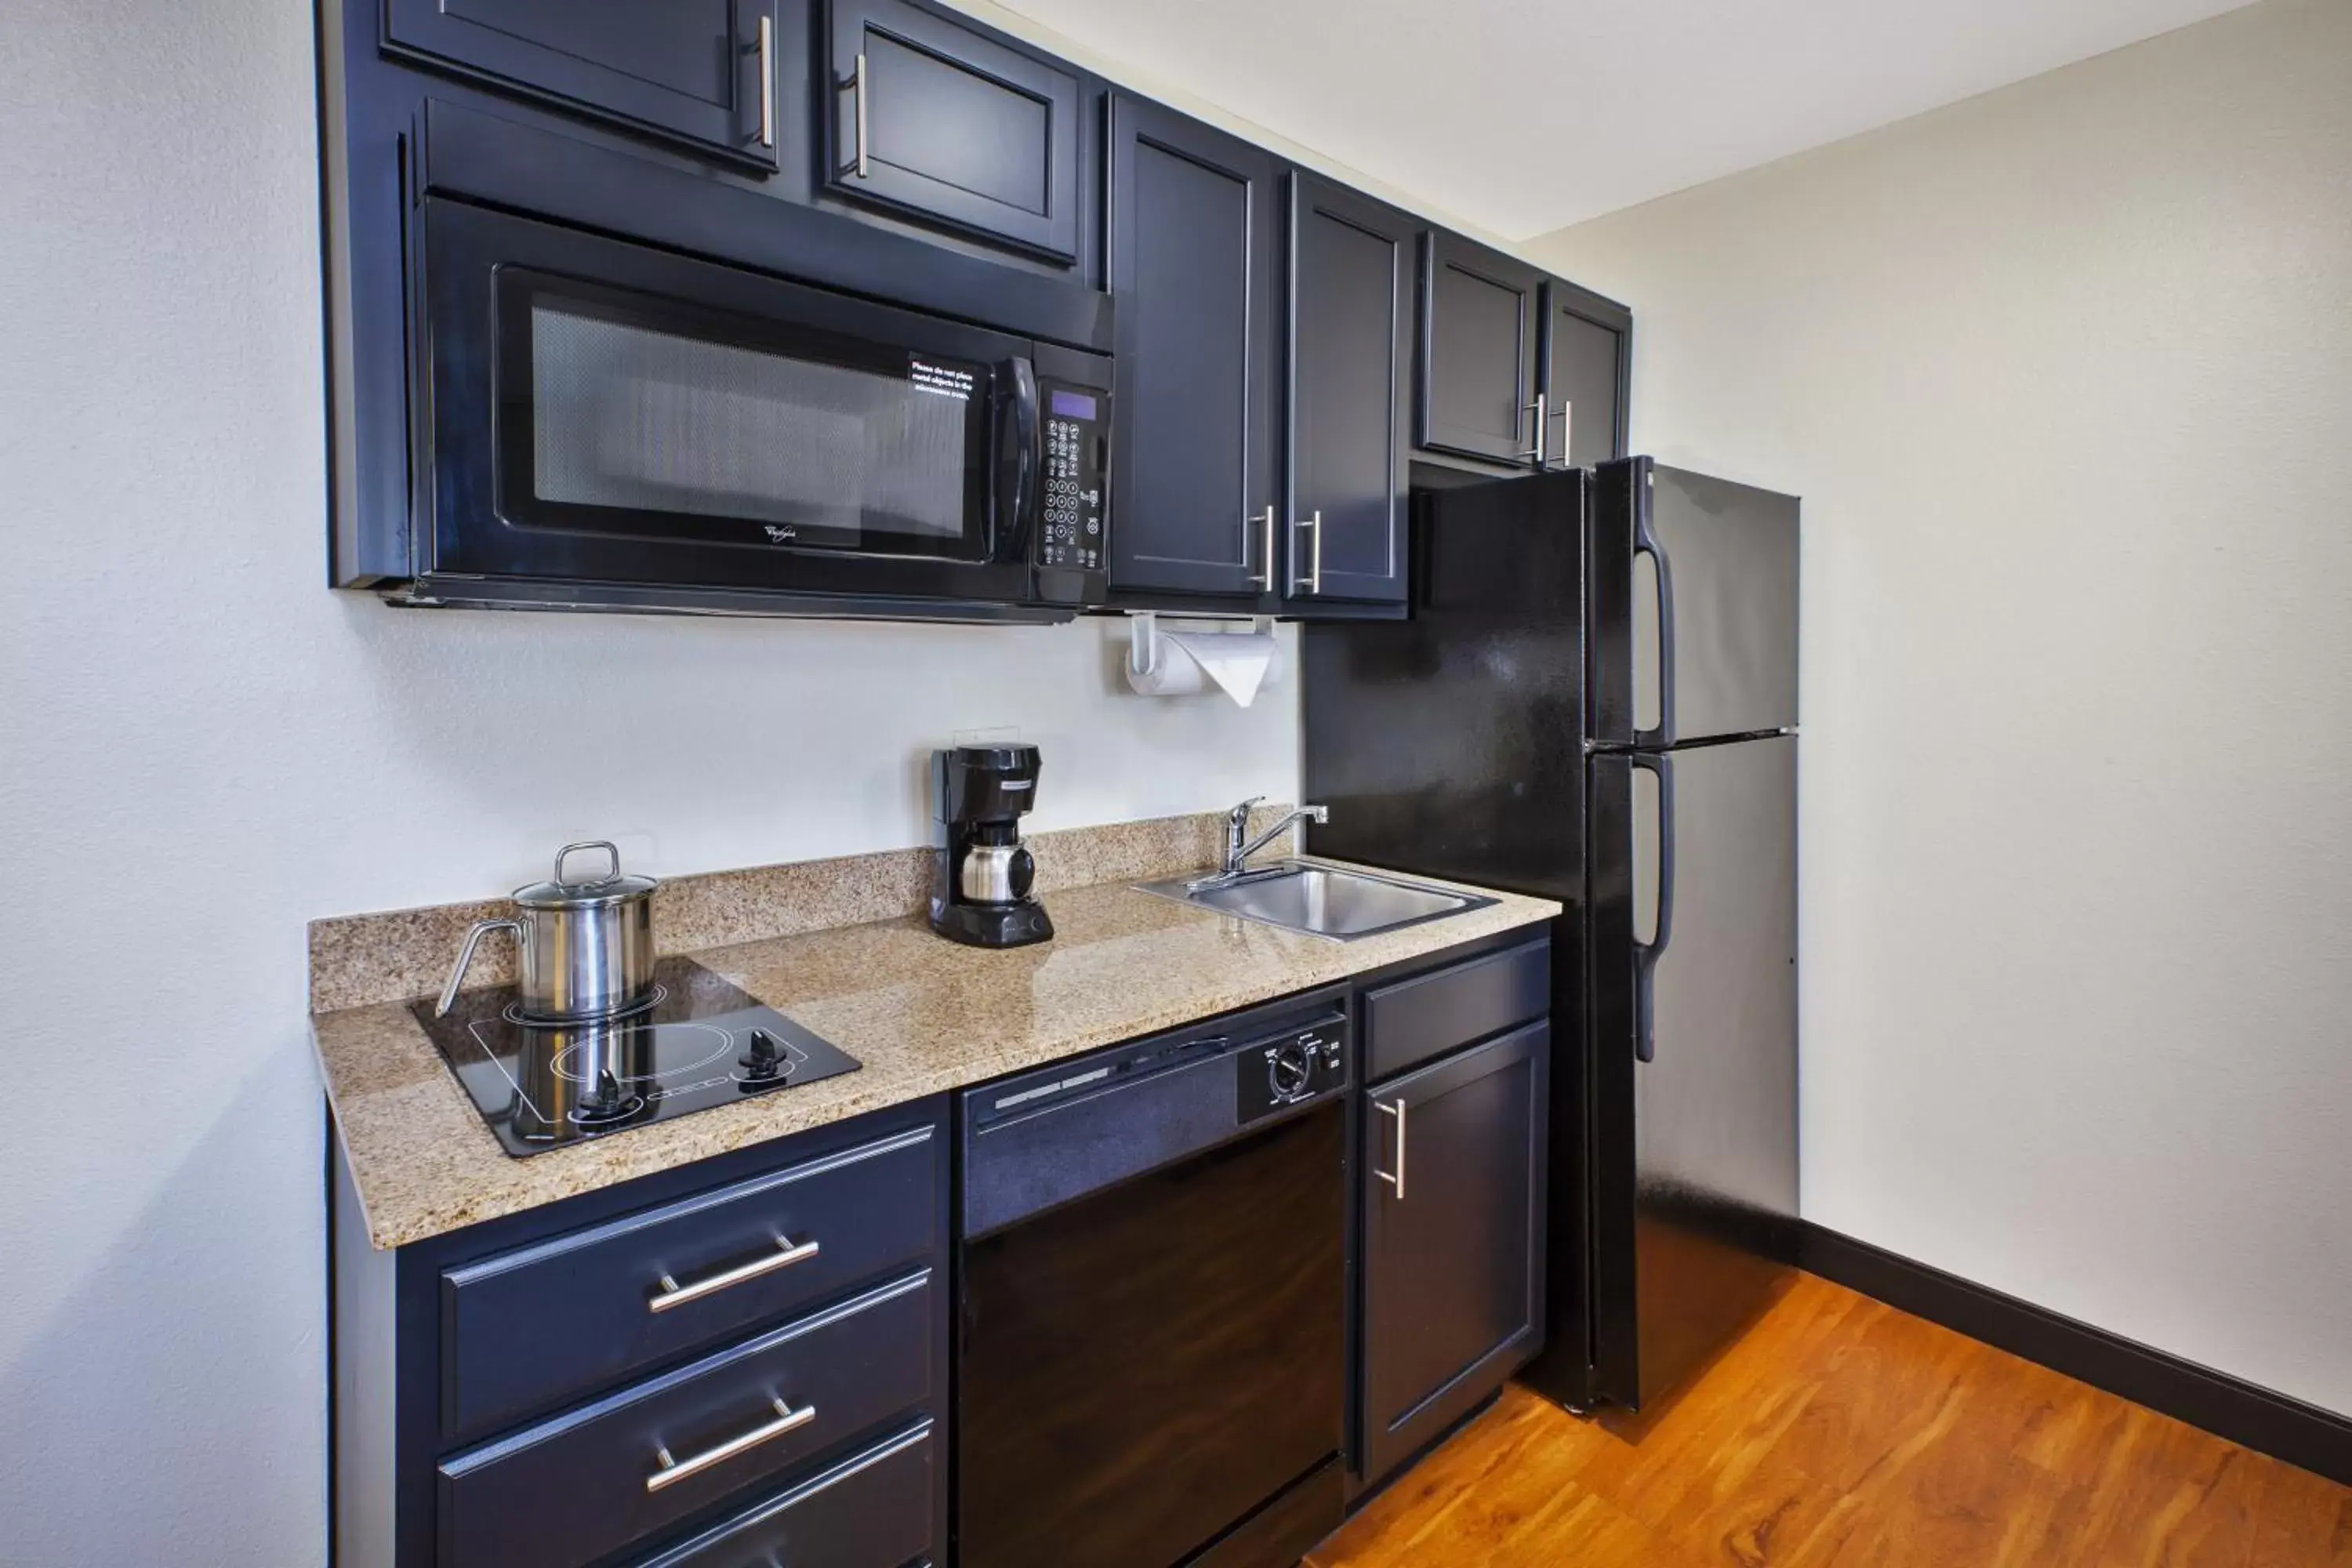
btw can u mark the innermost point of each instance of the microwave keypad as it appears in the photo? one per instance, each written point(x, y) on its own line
point(1074, 497)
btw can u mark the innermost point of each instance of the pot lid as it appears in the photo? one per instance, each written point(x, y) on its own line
point(558, 892)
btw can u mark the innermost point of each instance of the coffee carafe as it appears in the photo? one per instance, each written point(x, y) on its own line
point(980, 884)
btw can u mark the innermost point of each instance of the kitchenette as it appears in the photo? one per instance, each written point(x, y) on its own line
point(1087, 783)
point(1133, 1193)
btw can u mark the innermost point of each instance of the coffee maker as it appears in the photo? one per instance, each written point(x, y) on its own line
point(979, 883)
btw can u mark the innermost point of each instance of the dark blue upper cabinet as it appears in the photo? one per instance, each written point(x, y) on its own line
point(935, 118)
point(1349, 387)
point(1479, 312)
point(701, 71)
point(1192, 238)
point(1587, 340)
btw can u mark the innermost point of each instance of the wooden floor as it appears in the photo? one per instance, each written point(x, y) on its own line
point(1841, 1431)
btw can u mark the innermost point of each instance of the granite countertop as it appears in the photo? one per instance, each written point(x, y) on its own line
point(921, 1013)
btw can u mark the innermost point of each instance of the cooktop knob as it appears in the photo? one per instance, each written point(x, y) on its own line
point(763, 1059)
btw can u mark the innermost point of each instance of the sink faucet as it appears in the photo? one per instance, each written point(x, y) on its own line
point(1240, 846)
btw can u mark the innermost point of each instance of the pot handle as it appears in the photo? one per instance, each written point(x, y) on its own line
point(466, 956)
point(606, 845)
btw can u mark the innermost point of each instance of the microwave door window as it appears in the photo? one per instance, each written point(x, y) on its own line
point(637, 429)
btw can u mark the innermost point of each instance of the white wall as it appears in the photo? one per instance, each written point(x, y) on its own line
point(2064, 376)
point(200, 747)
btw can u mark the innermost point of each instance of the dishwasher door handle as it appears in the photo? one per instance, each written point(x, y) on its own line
point(1395, 1107)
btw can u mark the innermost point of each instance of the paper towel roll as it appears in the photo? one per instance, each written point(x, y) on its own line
point(1239, 664)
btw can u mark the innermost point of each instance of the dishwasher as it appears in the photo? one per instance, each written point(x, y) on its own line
point(1152, 1343)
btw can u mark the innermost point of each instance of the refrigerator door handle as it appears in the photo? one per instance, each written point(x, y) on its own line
point(1646, 542)
point(1647, 953)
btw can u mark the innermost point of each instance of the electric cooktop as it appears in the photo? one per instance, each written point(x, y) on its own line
point(702, 1041)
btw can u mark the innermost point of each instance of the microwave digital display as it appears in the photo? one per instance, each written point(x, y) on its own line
point(1072, 404)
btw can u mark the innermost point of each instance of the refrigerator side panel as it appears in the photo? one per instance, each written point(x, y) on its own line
point(1715, 1103)
point(1714, 606)
point(1449, 744)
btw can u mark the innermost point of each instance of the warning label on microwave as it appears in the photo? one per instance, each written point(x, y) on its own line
point(946, 380)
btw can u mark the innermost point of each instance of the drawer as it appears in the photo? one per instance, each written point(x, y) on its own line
point(1414, 1020)
point(589, 1482)
point(549, 1322)
point(872, 1510)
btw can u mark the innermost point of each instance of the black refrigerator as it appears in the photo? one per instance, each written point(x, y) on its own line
point(1594, 698)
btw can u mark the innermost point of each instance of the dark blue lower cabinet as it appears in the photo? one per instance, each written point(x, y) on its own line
point(636, 1464)
point(734, 1364)
point(870, 1511)
point(1452, 1250)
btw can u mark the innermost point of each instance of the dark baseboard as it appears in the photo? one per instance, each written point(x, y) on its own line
point(2244, 1414)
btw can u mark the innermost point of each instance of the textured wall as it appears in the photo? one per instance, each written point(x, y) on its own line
point(2064, 376)
point(200, 747)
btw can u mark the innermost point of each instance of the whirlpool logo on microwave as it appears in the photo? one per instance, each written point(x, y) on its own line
point(781, 533)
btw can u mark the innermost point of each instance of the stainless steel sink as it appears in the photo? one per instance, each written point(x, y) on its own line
point(1319, 901)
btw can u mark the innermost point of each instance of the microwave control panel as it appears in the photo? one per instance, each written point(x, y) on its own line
point(1078, 441)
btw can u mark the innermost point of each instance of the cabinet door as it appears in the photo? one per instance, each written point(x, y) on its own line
point(1351, 272)
point(930, 116)
point(1192, 273)
point(1586, 340)
point(1452, 1253)
point(1478, 314)
point(698, 70)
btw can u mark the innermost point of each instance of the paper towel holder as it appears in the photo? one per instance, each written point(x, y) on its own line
point(1143, 638)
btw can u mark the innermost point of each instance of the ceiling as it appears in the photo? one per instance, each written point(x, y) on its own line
point(1521, 116)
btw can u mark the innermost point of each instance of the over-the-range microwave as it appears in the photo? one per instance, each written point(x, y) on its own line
point(604, 424)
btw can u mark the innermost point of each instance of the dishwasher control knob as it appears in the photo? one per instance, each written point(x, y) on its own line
point(1290, 1070)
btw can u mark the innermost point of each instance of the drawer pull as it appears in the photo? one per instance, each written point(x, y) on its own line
point(673, 1294)
point(673, 1471)
point(767, 47)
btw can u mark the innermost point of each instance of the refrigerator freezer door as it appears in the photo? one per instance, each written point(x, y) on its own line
point(1694, 615)
point(1697, 906)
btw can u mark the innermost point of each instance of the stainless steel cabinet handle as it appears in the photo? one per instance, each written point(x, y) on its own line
point(1313, 581)
point(1264, 579)
point(672, 1471)
point(855, 163)
point(1536, 451)
point(1567, 432)
point(862, 92)
point(1395, 1107)
point(673, 1294)
point(767, 81)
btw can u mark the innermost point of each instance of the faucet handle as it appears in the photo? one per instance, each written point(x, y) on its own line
point(1239, 816)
